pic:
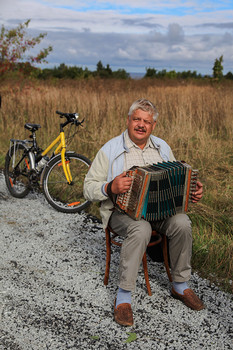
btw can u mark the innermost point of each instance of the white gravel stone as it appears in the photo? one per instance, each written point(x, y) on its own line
point(52, 294)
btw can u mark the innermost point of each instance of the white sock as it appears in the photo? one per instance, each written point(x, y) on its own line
point(179, 287)
point(123, 296)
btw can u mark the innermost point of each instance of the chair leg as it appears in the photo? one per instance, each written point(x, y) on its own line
point(165, 256)
point(108, 256)
point(144, 261)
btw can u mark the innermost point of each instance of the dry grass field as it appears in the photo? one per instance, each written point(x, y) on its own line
point(195, 120)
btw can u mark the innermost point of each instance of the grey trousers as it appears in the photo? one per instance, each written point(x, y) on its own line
point(137, 235)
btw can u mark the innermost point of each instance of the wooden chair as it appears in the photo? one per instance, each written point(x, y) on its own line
point(157, 238)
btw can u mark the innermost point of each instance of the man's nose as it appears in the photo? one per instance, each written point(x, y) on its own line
point(141, 123)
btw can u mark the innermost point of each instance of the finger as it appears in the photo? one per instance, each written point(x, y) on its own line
point(122, 175)
point(126, 186)
point(198, 193)
point(199, 188)
point(196, 199)
point(127, 182)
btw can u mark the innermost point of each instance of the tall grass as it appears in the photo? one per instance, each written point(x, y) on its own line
point(196, 121)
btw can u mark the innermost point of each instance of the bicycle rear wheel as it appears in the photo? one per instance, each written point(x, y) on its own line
point(64, 197)
point(17, 169)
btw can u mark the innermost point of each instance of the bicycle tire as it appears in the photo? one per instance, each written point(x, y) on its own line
point(64, 197)
point(17, 178)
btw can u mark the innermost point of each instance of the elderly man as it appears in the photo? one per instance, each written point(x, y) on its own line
point(107, 177)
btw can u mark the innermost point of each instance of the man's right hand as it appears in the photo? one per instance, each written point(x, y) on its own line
point(120, 184)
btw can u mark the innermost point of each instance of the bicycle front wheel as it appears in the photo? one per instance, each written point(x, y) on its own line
point(17, 169)
point(65, 197)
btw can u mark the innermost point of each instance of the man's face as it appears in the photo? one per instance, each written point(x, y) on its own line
point(140, 126)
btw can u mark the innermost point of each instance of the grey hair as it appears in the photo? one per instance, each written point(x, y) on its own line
point(146, 106)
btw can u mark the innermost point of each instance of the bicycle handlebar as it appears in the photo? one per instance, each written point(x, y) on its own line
point(71, 118)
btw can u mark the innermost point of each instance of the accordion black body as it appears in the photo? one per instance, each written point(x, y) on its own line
point(158, 191)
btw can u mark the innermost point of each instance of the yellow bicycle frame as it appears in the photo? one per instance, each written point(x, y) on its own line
point(61, 148)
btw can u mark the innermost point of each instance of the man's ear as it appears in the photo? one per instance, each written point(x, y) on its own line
point(153, 126)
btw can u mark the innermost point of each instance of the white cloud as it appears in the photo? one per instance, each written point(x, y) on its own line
point(123, 53)
point(72, 51)
point(123, 39)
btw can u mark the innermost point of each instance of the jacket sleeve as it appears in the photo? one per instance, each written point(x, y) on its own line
point(96, 178)
point(171, 156)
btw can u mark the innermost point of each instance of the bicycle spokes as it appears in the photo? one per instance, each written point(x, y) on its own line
point(64, 196)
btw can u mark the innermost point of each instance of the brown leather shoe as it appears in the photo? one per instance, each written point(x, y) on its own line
point(189, 298)
point(123, 314)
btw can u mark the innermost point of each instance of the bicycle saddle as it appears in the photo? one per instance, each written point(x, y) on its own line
point(32, 127)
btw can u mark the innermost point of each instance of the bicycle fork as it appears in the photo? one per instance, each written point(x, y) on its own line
point(65, 164)
point(61, 149)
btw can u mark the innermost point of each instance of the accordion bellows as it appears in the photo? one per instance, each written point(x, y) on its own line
point(158, 191)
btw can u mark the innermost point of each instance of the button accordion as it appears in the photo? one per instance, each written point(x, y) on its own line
point(158, 191)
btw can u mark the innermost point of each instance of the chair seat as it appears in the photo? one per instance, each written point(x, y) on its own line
point(156, 238)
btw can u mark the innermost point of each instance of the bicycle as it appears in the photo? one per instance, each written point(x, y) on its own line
point(60, 176)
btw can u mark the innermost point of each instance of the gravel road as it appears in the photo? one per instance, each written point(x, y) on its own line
point(52, 294)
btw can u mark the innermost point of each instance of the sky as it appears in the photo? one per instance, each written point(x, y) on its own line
point(129, 34)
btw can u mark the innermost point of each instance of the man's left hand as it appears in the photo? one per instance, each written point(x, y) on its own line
point(197, 195)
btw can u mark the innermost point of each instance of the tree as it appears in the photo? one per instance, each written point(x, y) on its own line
point(99, 67)
point(229, 75)
point(150, 73)
point(218, 68)
point(14, 44)
point(103, 72)
point(121, 74)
